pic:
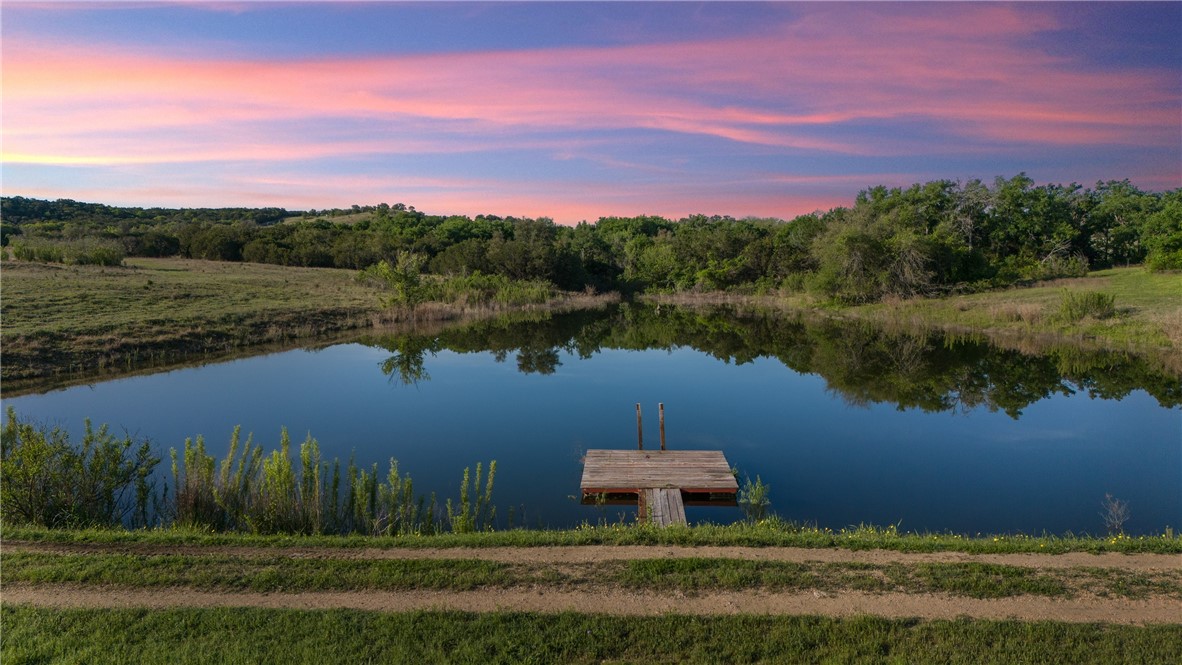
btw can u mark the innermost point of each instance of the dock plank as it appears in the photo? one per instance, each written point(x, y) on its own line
point(635, 470)
point(658, 479)
point(662, 506)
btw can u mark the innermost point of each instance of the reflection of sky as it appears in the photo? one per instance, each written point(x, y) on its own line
point(576, 110)
point(825, 460)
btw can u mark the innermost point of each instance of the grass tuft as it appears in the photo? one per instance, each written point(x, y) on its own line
point(1079, 304)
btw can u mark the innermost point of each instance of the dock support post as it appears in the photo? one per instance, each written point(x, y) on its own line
point(661, 406)
point(639, 430)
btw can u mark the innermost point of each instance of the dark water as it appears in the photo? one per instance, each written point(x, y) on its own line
point(846, 423)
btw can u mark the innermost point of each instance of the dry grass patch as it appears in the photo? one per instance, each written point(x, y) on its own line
point(1025, 312)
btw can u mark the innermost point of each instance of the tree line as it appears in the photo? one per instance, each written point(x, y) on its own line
point(924, 239)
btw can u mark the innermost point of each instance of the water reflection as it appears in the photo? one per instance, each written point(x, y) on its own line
point(862, 363)
point(846, 423)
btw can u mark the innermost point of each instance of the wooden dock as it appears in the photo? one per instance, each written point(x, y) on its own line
point(662, 507)
point(659, 481)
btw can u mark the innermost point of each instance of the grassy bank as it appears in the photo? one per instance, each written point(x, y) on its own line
point(1147, 313)
point(351, 636)
point(87, 319)
point(64, 319)
point(277, 573)
point(767, 533)
point(1145, 317)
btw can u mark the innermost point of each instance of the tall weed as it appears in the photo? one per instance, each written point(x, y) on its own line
point(222, 502)
point(87, 251)
point(193, 487)
point(363, 486)
point(236, 479)
point(1078, 304)
point(49, 481)
point(753, 499)
point(278, 507)
point(468, 515)
point(106, 481)
point(483, 290)
point(399, 513)
point(269, 494)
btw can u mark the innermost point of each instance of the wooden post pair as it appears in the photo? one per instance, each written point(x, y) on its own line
point(640, 429)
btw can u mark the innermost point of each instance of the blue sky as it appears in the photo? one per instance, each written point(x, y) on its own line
point(580, 110)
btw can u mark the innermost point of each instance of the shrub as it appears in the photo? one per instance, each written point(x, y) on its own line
point(1078, 304)
point(1163, 235)
point(1013, 312)
point(753, 499)
point(268, 494)
point(1075, 265)
point(48, 481)
point(402, 279)
point(478, 289)
point(105, 481)
point(1115, 514)
point(1166, 254)
point(87, 251)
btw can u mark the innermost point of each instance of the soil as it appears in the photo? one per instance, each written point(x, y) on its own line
point(596, 553)
point(1154, 609)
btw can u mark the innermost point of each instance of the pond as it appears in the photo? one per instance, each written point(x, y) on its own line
point(846, 423)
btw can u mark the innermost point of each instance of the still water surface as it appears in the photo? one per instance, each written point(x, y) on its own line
point(847, 426)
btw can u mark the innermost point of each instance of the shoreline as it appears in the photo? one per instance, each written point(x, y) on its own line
point(172, 330)
point(210, 312)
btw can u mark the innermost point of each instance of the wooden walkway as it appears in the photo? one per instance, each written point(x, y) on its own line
point(662, 507)
point(640, 473)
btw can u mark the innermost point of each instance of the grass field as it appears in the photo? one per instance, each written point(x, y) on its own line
point(1147, 317)
point(277, 572)
point(62, 319)
point(249, 635)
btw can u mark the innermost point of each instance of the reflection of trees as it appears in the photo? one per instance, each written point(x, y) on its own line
point(537, 361)
point(862, 363)
point(407, 360)
point(867, 366)
point(534, 339)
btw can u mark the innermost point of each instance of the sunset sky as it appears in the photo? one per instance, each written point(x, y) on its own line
point(580, 110)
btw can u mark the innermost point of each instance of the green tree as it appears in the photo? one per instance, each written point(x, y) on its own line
point(1115, 223)
point(1163, 234)
point(403, 279)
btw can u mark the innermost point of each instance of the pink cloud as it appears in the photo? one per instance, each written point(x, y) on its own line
point(810, 75)
point(863, 80)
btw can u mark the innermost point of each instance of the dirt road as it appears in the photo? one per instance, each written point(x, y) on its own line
point(611, 599)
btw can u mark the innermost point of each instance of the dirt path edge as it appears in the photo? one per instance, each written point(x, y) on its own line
point(621, 603)
point(599, 553)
